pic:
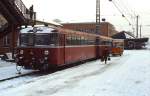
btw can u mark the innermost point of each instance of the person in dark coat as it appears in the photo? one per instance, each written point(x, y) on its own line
point(31, 12)
point(105, 55)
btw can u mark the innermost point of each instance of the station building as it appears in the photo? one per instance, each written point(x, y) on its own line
point(106, 28)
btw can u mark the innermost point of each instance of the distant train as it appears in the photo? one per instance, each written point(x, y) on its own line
point(45, 47)
point(117, 47)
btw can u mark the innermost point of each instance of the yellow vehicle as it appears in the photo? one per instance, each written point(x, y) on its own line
point(117, 47)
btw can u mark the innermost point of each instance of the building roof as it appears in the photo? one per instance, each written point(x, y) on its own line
point(86, 23)
point(48, 23)
point(123, 35)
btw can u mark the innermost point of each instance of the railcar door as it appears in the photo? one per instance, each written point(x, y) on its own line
point(62, 44)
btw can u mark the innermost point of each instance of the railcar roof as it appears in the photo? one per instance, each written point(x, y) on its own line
point(37, 29)
point(68, 31)
point(52, 29)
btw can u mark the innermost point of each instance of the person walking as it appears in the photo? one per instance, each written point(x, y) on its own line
point(31, 12)
point(105, 55)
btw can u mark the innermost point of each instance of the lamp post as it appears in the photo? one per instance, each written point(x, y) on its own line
point(137, 26)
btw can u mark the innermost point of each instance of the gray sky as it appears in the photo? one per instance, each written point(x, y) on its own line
point(84, 11)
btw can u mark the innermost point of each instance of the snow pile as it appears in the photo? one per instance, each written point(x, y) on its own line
point(37, 29)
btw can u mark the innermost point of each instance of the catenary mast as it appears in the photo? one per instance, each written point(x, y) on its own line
point(97, 26)
point(97, 17)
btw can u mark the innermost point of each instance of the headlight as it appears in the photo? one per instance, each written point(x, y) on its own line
point(45, 58)
point(20, 57)
point(46, 52)
point(21, 51)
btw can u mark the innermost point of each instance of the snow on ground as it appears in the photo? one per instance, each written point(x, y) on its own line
point(5, 64)
point(128, 75)
point(8, 69)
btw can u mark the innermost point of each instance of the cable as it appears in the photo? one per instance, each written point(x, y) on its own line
point(119, 9)
point(128, 10)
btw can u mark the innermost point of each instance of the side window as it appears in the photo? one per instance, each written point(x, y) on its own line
point(82, 40)
point(68, 39)
point(78, 40)
point(54, 39)
point(73, 40)
point(24, 39)
point(91, 41)
point(106, 42)
point(42, 39)
point(30, 38)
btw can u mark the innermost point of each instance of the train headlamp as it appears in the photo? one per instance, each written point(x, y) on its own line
point(46, 58)
point(21, 51)
point(20, 57)
point(46, 52)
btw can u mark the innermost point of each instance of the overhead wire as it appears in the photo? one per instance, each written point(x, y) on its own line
point(125, 13)
point(128, 10)
point(119, 9)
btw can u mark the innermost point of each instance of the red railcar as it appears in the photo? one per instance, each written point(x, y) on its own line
point(117, 47)
point(46, 47)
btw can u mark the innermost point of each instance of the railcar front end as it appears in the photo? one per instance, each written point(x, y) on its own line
point(117, 47)
point(39, 48)
point(42, 48)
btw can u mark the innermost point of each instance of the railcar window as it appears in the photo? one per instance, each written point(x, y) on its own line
point(82, 40)
point(42, 39)
point(27, 39)
point(73, 40)
point(61, 40)
point(54, 39)
point(31, 39)
point(91, 41)
point(47, 39)
point(68, 40)
point(105, 43)
point(23, 39)
point(79, 40)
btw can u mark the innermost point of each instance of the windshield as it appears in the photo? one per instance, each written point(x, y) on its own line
point(27, 39)
point(38, 39)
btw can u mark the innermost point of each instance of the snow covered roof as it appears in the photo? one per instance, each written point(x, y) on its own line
point(49, 23)
point(128, 36)
point(123, 35)
point(37, 29)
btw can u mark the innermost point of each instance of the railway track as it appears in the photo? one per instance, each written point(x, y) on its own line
point(39, 73)
point(34, 74)
point(21, 75)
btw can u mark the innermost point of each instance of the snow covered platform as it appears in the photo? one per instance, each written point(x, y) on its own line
point(128, 75)
point(8, 69)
